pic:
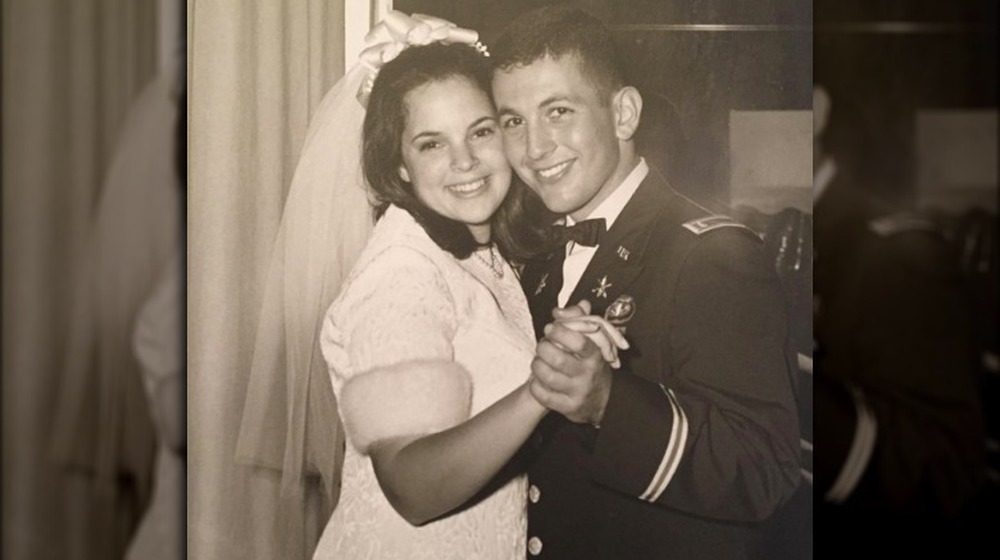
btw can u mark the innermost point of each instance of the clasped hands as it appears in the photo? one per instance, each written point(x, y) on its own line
point(571, 371)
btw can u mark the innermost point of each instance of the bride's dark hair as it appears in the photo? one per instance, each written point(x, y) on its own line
point(518, 224)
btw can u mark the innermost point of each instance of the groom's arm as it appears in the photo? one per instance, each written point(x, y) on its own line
point(717, 435)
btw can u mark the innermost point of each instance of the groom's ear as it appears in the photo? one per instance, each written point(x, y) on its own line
point(404, 174)
point(627, 106)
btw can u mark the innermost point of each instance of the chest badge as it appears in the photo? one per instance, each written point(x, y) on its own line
point(542, 284)
point(601, 290)
point(621, 310)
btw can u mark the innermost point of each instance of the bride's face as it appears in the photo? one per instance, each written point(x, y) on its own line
point(453, 153)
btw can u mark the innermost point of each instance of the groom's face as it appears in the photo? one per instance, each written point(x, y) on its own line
point(559, 133)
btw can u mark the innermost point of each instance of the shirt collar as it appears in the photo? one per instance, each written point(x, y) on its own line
point(612, 206)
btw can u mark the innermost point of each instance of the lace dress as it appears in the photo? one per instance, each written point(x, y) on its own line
point(417, 342)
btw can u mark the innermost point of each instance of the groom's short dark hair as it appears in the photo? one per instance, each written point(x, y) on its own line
point(559, 31)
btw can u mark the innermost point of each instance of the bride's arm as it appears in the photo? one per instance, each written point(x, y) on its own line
point(427, 476)
point(404, 399)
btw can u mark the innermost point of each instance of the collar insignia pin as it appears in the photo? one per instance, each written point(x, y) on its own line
point(623, 253)
point(601, 290)
point(541, 285)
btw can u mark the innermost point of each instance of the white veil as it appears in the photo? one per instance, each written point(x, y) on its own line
point(290, 419)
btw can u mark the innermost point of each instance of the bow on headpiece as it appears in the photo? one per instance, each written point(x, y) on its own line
point(397, 32)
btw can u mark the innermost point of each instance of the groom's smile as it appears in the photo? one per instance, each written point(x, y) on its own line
point(555, 172)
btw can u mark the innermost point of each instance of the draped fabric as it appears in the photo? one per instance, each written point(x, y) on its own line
point(257, 73)
point(71, 71)
point(103, 428)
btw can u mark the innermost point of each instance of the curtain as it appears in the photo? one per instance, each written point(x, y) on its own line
point(70, 73)
point(257, 71)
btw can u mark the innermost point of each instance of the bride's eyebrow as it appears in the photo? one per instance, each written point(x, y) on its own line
point(425, 134)
point(435, 133)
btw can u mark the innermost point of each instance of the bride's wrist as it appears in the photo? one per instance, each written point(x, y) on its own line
point(529, 399)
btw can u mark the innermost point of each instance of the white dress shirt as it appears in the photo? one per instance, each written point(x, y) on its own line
point(578, 257)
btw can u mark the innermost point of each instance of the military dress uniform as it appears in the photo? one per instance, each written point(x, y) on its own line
point(699, 441)
point(898, 427)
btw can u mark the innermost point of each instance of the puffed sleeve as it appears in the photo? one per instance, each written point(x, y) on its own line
point(388, 343)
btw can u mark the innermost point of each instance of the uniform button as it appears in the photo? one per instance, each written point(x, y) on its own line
point(535, 546)
point(534, 494)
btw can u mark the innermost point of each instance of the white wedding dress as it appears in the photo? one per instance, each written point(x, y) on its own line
point(424, 341)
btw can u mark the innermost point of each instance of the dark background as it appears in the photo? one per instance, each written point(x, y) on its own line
point(945, 57)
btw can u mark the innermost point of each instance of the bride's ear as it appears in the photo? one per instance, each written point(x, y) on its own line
point(404, 174)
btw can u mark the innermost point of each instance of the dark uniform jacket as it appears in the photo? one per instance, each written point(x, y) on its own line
point(700, 439)
point(898, 427)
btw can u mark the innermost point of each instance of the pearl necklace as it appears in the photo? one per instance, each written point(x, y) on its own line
point(495, 264)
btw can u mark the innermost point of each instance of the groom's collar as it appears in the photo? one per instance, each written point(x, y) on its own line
point(611, 207)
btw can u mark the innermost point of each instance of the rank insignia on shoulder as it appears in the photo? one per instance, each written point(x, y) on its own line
point(710, 223)
point(902, 223)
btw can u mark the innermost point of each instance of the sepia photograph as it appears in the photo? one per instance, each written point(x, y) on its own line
point(474, 280)
point(499, 280)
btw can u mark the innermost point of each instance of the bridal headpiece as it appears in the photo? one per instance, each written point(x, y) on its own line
point(397, 32)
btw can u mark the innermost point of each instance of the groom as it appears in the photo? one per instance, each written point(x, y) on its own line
point(694, 440)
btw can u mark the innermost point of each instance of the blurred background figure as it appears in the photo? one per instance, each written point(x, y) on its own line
point(158, 343)
point(905, 203)
point(92, 223)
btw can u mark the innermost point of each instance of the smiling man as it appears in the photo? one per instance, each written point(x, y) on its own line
point(683, 450)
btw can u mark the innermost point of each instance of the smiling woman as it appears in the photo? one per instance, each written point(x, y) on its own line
point(453, 153)
point(429, 348)
point(430, 137)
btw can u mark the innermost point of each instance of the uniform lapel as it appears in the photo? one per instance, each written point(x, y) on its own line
point(541, 282)
point(619, 257)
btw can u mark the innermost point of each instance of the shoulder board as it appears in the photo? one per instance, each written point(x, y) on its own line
point(902, 223)
point(704, 225)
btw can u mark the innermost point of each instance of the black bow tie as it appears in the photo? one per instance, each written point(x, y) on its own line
point(587, 233)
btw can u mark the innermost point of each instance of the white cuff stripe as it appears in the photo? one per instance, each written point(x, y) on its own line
point(674, 428)
point(672, 455)
point(860, 453)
